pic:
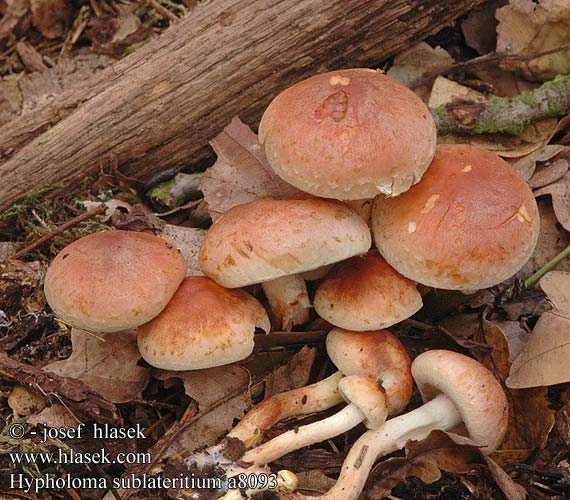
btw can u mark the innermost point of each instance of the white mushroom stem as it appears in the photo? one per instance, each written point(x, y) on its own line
point(289, 300)
point(440, 413)
point(347, 418)
point(367, 403)
point(303, 401)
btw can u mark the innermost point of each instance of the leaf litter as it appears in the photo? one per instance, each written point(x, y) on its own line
point(495, 326)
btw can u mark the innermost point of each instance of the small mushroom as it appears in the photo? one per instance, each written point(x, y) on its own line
point(368, 359)
point(113, 280)
point(457, 389)
point(348, 134)
point(265, 240)
point(471, 222)
point(365, 293)
point(204, 325)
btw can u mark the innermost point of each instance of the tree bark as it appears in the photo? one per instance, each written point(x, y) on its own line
point(158, 107)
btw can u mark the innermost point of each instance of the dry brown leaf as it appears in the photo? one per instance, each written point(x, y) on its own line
point(549, 173)
point(30, 57)
point(56, 416)
point(424, 460)
point(479, 27)
point(51, 17)
point(25, 402)
point(26, 276)
point(315, 481)
point(526, 166)
point(107, 364)
point(560, 192)
point(530, 418)
point(412, 65)
point(445, 91)
point(15, 10)
point(526, 28)
point(296, 373)
point(552, 239)
point(510, 489)
point(241, 173)
point(544, 360)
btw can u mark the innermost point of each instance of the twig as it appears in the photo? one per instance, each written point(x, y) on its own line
point(64, 227)
point(162, 10)
point(505, 115)
point(532, 280)
point(76, 394)
point(485, 59)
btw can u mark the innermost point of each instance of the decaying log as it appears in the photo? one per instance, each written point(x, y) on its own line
point(158, 107)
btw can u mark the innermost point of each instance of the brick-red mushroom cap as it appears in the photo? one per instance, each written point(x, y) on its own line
point(366, 293)
point(475, 392)
point(204, 325)
point(348, 134)
point(113, 280)
point(267, 239)
point(471, 222)
point(377, 355)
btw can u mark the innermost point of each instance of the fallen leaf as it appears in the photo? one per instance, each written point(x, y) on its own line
point(544, 360)
point(445, 91)
point(31, 58)
point(294, 374)
point(188, 240)
point(108, 365)
point(7, 248)
point(527, 28)
point(530, 417)
point(56, 416)
point(517, 337)
point(241, 173)
point(560, 192)
point(526, 166)
point(25, 402)
point(552, 239)
point(22, 280)
point(315, 481)
point(512, 490)
point(424, 460)
point(51, 17)
point(413, 65)
point(479, 27)
point(549, 173)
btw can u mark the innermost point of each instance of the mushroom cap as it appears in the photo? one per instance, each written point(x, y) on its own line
point(476, 393)
point(267, 239)
point(471, 223)
point(113, 280)
point(348, 134)
point(377, 355)
point(367, 396)
point(365, 293)
point(204, 325)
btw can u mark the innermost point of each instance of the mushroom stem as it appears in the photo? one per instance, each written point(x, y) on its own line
point(310, 399)
point(347, 418)
point(289, 300)
point(440, 413)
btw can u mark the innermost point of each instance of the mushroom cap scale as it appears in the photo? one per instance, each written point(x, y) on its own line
point(348, 134)
point(113, 280)
point(266, 239)
point(475, 392)
point(204, 325)
point(470, 224)
point(377, 355)
point(366, 293)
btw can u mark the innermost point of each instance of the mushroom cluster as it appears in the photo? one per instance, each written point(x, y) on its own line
point(363, 148)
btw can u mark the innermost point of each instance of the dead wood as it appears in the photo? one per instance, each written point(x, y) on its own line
point(158, 107)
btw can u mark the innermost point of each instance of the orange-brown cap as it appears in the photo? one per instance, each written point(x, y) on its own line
point(476, 393)
point(365, 293)
point(204, 325)
point(348, 134)
point(377, 355)
point(113, 280)
point(267, 239)
point(470, 224)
